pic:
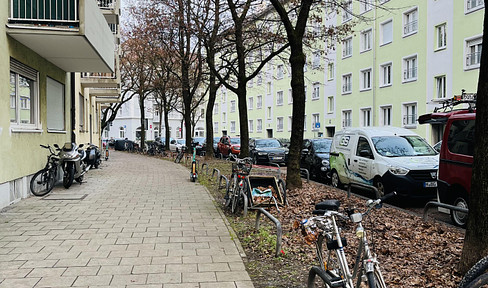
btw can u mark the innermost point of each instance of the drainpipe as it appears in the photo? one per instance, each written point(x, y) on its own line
point(73, 108)
point(373, 113)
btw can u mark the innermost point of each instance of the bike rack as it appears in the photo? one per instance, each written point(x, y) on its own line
point(362, 186)
point(304, 172)
point(226, 182)
point(279, 231)
point(206, 170)
point(218, 173)
point(432, 204)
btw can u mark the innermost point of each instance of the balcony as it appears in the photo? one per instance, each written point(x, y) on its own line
point(110, 9)
point(102, 79)
point(105, 95)
point(71, 34)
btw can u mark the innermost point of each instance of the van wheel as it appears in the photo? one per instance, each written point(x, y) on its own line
point(334, 180)
point(460, 218)
point(378, 183)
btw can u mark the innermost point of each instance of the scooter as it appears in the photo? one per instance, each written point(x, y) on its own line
point(71, 157)
point(93, 156)
point(193, 173)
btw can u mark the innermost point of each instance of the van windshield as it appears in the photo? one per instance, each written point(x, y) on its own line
point(400, 146)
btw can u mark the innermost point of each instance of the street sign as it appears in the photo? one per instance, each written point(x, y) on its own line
point(317, 125)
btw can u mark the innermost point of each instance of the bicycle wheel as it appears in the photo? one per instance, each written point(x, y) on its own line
point(479, 269)
point(178, 158)
point(318, 277)
point(480, 282)
point(43, 182)
point(228, 192)
point(235, 198)
point(375, 279)
point(69, 173)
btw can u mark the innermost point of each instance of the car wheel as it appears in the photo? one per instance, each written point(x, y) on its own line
point(335, 182)
point(378, 183)
point(460, 218)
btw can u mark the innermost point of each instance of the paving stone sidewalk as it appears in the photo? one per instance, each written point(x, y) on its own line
point(135, 222)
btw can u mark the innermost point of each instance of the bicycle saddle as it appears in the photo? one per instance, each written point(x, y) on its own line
point(331, 205)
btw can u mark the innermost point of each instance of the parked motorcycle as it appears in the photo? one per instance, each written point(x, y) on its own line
point(93, 156)
point(72, 161)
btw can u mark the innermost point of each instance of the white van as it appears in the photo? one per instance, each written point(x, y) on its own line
point(390, 158)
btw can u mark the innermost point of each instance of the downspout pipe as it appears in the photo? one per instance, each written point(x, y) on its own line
point(73, 107)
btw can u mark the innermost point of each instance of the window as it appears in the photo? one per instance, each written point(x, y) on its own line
point(441, 36)
point(410, 69)
point(366, 37)
point(330, 104)
point(347, 12)
point(364, 6)
point(121, 132)
point(315, 121)
point(473, 53)
point(259, 102)
point(409, 114)
point(316, 91)
point(279, 124)
point(259, 79)
point(55, 105)
point(202, 113)
point(346, 83)
point(259, 125)
point(440, 84)
point(216, 128)
point(365, 80)
point(346, 118)
point(461, 137)
point(290, 96)
point(316, 60)
point(224, 118)
point(223, 96)
point(365, 117)
point(330, 71)
point(385, 116)
point(279, 98)
point(250, 103)
point(216, 108)
point(251, 126)
point(305, 122)
point(290, 123)
point(386, 32)
point(250, 83)
point(472, 5)
point(385, 75)
point(232, 126)
point(233, 106)
point(410, 22)
point(280, 71)
point(269, 113)
point(347, 47)
point(305, 91)
point(24, 95)
point(82, 113)
point(363, 145)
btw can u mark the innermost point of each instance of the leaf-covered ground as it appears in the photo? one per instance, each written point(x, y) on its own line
point(412, 252)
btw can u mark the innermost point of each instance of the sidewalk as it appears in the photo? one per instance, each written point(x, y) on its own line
point(136, 222)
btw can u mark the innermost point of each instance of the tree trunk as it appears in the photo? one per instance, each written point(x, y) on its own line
point(209, 152)
point(143, 130)
point(476, 237)
point(167, 134)
point(242, 91)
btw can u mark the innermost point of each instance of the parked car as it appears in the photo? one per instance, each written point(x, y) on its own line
point(199, 141)
point(390, 158)
point(268, 150)
point(315, 157)
point(176, 144)
point(229, 145)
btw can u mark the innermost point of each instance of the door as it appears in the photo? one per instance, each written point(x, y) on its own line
point(362, 161)
point(270, 133)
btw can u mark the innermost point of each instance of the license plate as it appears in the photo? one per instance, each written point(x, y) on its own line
point(277, 158)
point(430, 184)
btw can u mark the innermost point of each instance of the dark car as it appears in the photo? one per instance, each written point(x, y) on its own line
point(267, 151)
point(315, 158)
point(229, 145)
point(199, 141)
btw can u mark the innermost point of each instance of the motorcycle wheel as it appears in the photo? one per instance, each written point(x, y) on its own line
point(79, 179)
point(69, 173)
point(97, 163)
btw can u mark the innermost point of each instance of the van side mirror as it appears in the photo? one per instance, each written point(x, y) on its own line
point(366, 153)
point(304, 151)
point(173, 141)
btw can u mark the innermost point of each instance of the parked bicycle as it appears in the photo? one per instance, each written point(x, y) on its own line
point(477, 276)
point(333, 269)
point(238, 184)
point(180, 155)
point(43, 181)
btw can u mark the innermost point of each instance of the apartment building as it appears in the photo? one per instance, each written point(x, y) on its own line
point(401, 57)
point(57, 61)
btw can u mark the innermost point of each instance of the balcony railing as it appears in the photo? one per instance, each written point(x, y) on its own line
point(410, 119)
point(106, 3)
point(99, 75)
point(410, 27)
point(48, 12)
point(410, 73)
point(473, 58)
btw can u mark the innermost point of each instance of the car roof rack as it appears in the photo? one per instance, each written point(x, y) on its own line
point(448, 105)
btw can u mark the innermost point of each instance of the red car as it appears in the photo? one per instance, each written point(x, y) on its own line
point(228, 145)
